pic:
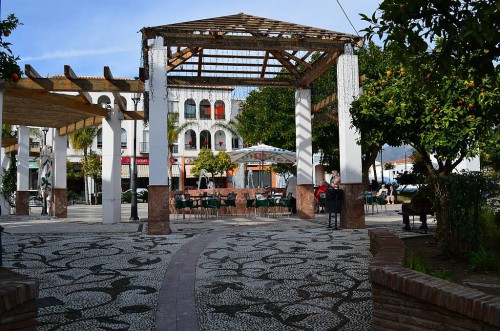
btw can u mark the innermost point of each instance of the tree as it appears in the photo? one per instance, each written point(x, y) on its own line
point(82, 140)
point(9, 182)
point(173, 131)
point(214, 164)
point(92, 167)
point(9, 69)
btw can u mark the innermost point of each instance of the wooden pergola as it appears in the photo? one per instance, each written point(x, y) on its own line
point(31, 101)
point(245, 50)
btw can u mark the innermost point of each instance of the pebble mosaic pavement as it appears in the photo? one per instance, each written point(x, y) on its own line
point(259, 274)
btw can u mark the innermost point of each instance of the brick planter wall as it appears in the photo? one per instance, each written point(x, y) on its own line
point(17, 295)
point(404, 299)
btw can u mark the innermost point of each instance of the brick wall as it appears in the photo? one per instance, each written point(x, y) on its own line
point(404, 299)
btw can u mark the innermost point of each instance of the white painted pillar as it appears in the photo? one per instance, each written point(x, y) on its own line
point(60, 156)
point(348, 89)
point(111, 163)
point(303, 136)
point(3, 157)
point(23, 158)
point(158, 105)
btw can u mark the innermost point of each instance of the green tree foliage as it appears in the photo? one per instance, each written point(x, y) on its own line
point(92, 167)
point(9, 182)
point(173, 131)
point(467, 30)
point(71, 173)
point(214, 164)
point(9, 69)
point(82, 140)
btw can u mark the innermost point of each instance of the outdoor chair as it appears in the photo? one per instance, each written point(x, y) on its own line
point(286, 203)
point(249, 204)
point(212, 204)
point(321, 202)
point(261, 200)
point(370, 200)
point(230, 202)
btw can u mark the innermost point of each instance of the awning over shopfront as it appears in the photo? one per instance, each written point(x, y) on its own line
point(143, 170)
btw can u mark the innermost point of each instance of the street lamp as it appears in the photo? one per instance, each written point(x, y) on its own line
point(382, 165)
point(133, 174)
point(44, 204)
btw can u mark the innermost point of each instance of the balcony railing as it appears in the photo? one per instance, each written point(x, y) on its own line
point(205, 117)
point(144, 147)
point(220, 116)
point(190, 147)
point(220, 147)
point(189, 115)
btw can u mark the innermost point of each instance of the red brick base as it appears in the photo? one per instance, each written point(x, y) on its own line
point(158, 210)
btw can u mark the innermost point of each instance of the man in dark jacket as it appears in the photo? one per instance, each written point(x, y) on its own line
point(420, 205)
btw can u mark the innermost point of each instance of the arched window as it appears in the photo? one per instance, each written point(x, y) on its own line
point(220, 140)
point(124, 138)
point(220, 110)
point(189, 109)
point(124, 101)
point(205, 139)
point(104, 101)
point(99, 138)
point(205, 113)
point(190, 139)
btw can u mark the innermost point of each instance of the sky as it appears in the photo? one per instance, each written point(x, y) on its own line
point(90, 34)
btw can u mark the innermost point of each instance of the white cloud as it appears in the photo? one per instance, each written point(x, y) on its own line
point(77, 53)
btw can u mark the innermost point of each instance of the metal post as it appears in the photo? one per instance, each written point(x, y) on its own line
point(133, 175)
point(44, 204)
point(382, 165)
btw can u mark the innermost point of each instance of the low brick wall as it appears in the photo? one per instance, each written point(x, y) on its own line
point(240, 197)
point(17, 295)
point(404, 299)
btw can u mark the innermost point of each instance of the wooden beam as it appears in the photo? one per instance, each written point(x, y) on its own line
point(252, 43)
point(264, 65)
point(328, 101)
point(318, 68)
point(298, 60)
point(229, 81)
point(60, 100)
point(70, 74)
point(62, 84)
point(286, 63)
point(180, 60)
point(11, 148)
point(86, 123)
point(118, 98)
point(200, 62)
point(30, 72)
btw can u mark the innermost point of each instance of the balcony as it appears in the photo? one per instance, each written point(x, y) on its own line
point(205, 117)
point(220, 117)
point(190, 147)
point(220, 147)
point(144, 147)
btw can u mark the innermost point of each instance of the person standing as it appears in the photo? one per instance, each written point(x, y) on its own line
point(291, 187)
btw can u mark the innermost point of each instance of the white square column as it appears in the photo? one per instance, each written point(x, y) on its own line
point(158, 105)
point(59, 201)
point(352, 214)
point(111, 167)
point(3, 158)
point(303, 143)
point(158, 189)
point(23, 158)
point(348, 90)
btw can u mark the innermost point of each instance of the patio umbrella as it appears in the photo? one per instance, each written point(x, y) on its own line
point(45, 173)
point(262, 153)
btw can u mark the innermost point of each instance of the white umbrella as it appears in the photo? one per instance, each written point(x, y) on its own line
point(262, 153)
point(45, 173)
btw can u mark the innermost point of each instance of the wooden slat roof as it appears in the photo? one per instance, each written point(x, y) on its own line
point(246, 50)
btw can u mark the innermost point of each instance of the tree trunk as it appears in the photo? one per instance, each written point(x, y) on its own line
point(87, 195)
point(169, 164)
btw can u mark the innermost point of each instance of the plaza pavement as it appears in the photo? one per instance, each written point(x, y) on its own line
point(232, 273)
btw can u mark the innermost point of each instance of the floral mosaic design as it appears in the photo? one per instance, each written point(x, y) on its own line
point(301, 278)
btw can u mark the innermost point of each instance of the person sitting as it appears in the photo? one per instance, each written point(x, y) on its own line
point(321, 189)
point(382, 192)
point(391, 195)
point(420, 205)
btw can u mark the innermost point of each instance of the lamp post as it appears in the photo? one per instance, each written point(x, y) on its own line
point(382, 164)
point(44, 204)
point(133, 175)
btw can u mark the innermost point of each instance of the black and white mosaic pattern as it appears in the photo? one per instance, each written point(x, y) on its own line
point(94, 281)
point(285, 278)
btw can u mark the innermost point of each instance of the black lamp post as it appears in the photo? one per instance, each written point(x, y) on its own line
point(44, 204)
point(133, 175)
point(382, 164)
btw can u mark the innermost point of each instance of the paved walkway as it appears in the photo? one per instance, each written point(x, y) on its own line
point(227, 274)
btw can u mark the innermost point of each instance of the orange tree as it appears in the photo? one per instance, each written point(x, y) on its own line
point(441, 92)
point(9, 70)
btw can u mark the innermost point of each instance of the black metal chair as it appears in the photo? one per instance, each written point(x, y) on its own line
point(249, 204)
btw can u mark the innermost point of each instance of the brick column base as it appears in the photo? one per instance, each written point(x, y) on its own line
point(22, 203)
point(59, 202)
point(352, 214)
point(305, 201)
point(158, 210)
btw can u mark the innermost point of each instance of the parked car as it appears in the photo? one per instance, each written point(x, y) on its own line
point(142, 195)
